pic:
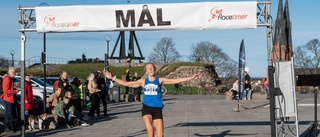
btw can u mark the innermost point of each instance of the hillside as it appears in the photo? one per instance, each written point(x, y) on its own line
point(174, 70)
point(82, 70)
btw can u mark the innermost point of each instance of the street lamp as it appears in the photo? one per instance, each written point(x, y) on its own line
point(12, 54)
point(130, 57)
point(108, 38)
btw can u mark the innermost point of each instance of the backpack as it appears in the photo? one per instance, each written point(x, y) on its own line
point(55, 85)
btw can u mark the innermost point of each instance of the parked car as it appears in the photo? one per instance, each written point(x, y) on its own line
point(51, 80)
point(37, 87)
point(37, 110)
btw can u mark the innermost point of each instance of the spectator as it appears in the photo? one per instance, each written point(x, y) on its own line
point(60, 112)
point(84, 59)
point(1, 90)
point(72, 112)
point(152, 97)
point(127, 75)
point(127, 79)
point(53, 103)
point(235, 90)
point(78, 95)
point(93, 94)
point(64, 83)
point(177, 88)
point(109, 86)
point(137, 91)
point(9, 97)
point(103, 94)
point(266, 86)
point(28, 98)
point(246, 76)
point(247, 91)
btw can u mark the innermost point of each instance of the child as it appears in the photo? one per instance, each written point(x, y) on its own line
point(60, 112)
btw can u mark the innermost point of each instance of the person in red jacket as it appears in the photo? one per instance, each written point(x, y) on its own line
point(8, 97)
point(28, 97)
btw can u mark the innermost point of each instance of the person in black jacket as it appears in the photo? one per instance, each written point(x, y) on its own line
point(247, 91)
point(137, 91)
point(127, 75)
point(99, 79)
point(246, 76)
point(64, 83)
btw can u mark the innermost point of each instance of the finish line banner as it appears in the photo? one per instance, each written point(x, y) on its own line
point(175, 16)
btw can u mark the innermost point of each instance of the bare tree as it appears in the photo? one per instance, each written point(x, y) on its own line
point(164, 51)
point(206, 51)
point(307, 57)
point(4, 62)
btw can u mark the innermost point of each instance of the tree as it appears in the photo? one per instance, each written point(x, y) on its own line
point(4, 62)
point(164, 52)
point(206, 51)
point(307, 57)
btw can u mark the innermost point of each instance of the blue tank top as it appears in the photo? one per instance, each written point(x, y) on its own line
point(152, 95)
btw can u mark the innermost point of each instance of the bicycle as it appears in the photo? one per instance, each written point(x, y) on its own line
point(203, 89)
point(184, 89)
point(164, 90)
point(222, 89)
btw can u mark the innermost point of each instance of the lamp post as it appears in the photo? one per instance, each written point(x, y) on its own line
point(108, 38)
point(44, 62)
point(12, 61)
point(130, 57)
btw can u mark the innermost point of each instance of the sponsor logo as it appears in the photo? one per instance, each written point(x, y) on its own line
point(217, 14)
point(50, 21)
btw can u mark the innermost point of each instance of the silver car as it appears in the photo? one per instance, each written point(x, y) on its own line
point(37, 87)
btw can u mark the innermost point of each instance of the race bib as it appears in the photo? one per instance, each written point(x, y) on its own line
point(151, 89)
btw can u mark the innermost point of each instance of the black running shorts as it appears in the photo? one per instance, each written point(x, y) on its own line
point(155, 112)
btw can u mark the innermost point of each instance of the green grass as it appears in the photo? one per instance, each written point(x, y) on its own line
point(82, 70)
point(170, 89)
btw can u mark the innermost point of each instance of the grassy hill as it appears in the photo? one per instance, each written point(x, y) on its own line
point(82, 70)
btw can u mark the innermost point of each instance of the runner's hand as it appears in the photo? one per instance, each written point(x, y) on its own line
point(197, 76)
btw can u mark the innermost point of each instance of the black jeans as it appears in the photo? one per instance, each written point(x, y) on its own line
point(95, 103)
point(79, 105)
point(137, 93)
point(8, 117)
point(234, 92)
point(103, 98)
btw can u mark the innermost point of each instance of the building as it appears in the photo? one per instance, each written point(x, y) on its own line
point(282, 39)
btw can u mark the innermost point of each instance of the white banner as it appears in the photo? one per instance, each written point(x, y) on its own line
point(286, 105)
point(177, 16)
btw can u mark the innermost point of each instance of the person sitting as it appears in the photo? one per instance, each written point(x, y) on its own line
point(60, 112)
point(235, 90)
point(73, 113)
point(53, 103)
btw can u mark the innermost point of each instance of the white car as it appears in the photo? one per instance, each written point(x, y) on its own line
point(37, 87)
point(51, 80)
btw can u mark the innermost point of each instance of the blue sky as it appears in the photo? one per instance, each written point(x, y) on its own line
point(71, 45)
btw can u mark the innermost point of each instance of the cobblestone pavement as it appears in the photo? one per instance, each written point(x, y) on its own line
point(186, 116)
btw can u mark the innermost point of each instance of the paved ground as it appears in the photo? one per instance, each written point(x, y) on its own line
point(186, 116)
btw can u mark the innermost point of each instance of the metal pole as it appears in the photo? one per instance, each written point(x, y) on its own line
point(108, 55)
point(44, 73)
point(12, 62)
point(22, 117)
point(270, 73)
point(315, 111)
